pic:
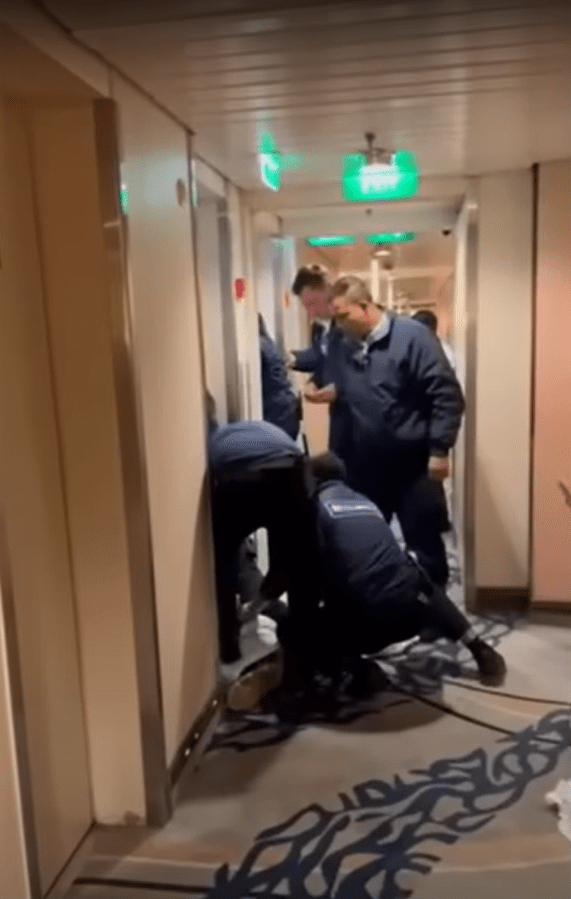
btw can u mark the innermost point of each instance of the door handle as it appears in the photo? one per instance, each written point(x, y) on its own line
point(566, 492)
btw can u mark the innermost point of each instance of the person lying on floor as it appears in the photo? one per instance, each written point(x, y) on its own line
point(375, 593)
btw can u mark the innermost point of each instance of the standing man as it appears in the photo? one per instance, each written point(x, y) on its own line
point(427, 317)
point(312, 288)
point(401, 409)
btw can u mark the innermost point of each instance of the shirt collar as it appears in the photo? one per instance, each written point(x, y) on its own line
point(380, 330)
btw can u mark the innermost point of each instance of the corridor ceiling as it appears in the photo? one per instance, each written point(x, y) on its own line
point(470, 86)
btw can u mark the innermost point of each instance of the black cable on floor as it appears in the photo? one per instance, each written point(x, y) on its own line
point(494, 692)
point(505, 732)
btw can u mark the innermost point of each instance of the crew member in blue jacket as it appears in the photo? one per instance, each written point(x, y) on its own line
point(398, 409)
point(259, 480)
point(375, 594)
point(328, 346)
point(312, 288)
point(280, 405)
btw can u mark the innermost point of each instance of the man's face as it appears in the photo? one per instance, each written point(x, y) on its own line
point(315, 301)
point(353, 318)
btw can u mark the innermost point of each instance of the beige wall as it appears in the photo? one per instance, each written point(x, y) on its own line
point(14, 881)
point(503, 380)
point(552, 448)
point(33, 492)
point(78, 308)
point(167, 348)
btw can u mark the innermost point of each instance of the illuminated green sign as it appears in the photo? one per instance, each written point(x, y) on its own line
point(395, 237)
point(362, 182)
point(124, 199)
point(270, 164)
point(339, 240)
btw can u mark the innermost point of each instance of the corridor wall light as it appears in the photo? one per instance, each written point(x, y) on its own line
point(378, 174)
point(394, 237)
point(338, 240)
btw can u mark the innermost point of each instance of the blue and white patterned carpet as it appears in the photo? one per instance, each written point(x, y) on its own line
point(435, 791)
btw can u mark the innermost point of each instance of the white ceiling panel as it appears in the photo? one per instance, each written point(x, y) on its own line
point(469, 85)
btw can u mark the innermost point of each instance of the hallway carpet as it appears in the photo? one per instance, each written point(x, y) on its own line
point(435, 791)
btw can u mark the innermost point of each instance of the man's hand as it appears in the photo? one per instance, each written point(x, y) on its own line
point(290, 360)
point(439, 467)
point(315, 394)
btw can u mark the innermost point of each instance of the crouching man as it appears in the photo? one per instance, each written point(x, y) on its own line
point(376, 594)
point(259, 480)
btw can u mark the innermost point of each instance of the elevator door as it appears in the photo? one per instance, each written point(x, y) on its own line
point(32, 492)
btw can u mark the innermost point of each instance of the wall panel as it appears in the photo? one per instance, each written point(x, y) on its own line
point(167, 348)
point(552, 445)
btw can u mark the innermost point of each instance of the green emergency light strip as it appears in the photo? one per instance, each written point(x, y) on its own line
point(338, 240)
point(395, 237)
point(362, 182)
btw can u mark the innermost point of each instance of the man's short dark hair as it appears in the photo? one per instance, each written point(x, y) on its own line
point(428, 318)
point(309, 276)
point(327, 467)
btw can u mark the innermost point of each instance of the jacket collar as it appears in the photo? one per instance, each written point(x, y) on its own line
point(381, 329)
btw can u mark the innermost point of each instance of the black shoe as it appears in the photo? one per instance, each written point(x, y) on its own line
point(299, 707)
point(491, 664)
point(274, 609)
point(364, 679)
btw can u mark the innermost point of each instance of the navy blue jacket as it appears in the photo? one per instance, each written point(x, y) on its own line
point(360, 555)
point(399, 400)
point(322, 357)
point(243, 443)
point(279, 402)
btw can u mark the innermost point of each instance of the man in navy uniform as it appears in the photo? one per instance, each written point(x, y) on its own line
point(259, 480)
point(281, 406)
point(312, 288)
point(322, 359)
point(376, 594)
point(398, 409)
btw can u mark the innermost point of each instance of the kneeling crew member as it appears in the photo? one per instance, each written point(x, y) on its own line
point(374, 592)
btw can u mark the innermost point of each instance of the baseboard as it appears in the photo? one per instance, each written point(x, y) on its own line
point(198, 735)
point(551, 605)
point(502, 599)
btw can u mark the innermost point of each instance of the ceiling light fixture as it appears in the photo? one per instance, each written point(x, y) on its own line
point(379, 174)
point(337, 240)
point(388, 237)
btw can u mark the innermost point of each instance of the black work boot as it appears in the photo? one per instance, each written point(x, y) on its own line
point(491, 664)
point(363, 679)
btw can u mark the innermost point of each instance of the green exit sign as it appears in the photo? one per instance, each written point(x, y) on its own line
point(338, 240)
point(362, 182)
point(270, 162)
point(394, 237)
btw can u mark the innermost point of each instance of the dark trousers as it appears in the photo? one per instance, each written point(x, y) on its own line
point(403, 487)
point(275, 497)
point(368, 630)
